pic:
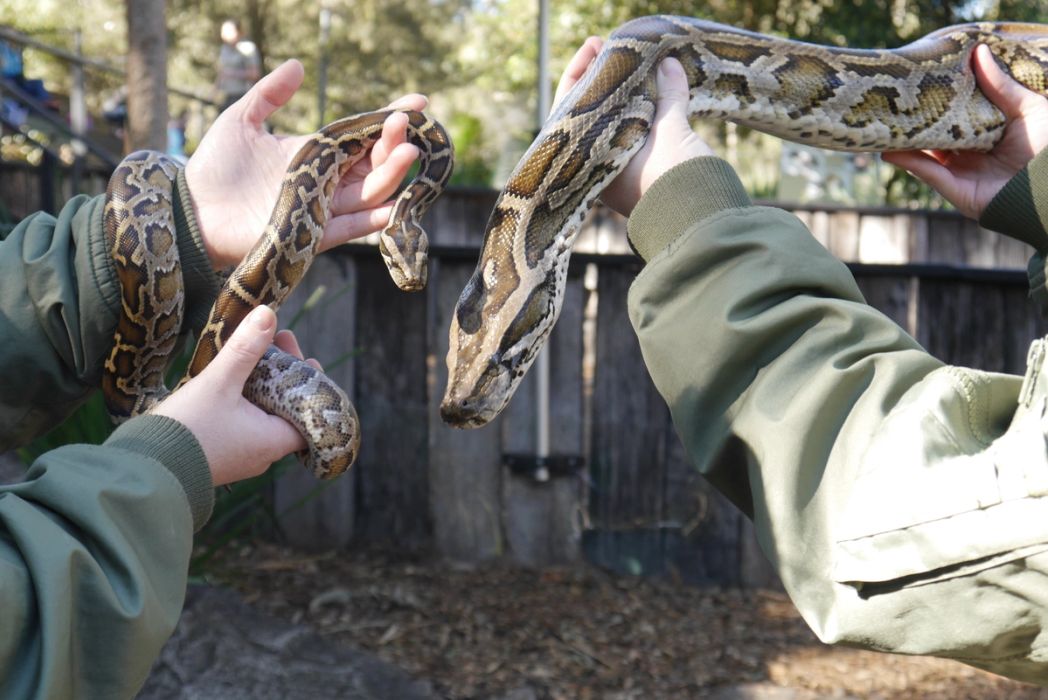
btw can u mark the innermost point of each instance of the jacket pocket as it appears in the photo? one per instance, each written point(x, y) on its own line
point(954, 480)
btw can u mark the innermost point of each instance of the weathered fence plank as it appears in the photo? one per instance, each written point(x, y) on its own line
point(629, 417)
point(895, 296)
point(541, 519)
point(645, 499)
point(464, 473)
point(310, 513)
point(392, 401)
point(984, 325)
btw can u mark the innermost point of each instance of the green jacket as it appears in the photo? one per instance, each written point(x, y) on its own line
point(95, 542)
point(898, 506)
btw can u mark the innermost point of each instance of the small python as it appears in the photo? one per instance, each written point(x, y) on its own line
point(920, 96)
point(138, 222)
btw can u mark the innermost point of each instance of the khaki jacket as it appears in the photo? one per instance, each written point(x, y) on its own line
point(904, 503)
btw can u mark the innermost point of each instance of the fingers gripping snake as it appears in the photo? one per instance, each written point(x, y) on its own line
point(919, 96)
point(140, 235)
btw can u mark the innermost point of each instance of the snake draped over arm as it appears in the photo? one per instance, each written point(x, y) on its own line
point(140, 236)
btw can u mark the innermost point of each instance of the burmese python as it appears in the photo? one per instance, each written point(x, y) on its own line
point(140, 237)
point(920, 96)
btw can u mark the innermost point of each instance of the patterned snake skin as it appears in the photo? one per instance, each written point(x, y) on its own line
point(140, 236)
point(920, 96)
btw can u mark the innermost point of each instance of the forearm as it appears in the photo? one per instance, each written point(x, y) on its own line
point(777, 318)
point(752, 331)
point(94, 550)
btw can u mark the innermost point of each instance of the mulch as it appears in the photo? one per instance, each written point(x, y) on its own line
point(501, 631)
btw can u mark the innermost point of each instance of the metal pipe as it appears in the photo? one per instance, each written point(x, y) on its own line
point(325, 34)
point(542, 370)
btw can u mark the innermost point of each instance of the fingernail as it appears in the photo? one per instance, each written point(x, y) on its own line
point(671, 68)
point(262, 318)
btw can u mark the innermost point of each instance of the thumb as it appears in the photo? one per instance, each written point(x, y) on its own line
point(244, 349)
point(671, 86)
point(1004, 91)
point(270, 93)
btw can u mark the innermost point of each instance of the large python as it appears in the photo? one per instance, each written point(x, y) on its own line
point(140, 236)
point(919, 96)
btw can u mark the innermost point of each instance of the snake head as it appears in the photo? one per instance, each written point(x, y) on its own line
point(496, 333)
point(405, 250)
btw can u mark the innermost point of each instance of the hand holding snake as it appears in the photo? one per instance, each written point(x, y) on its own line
point(239, 439)
point(236, 172)
point(970, 179)
point(672, 140)
point(316, 191)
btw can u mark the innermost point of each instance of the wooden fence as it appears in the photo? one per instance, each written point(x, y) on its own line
point(636, 505)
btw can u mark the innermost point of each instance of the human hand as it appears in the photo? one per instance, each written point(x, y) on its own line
point(239, 439)
point(235, 173)
point(969, 179)
point(670, 142)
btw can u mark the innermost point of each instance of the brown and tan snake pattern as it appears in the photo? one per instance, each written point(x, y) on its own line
point(922, 95)
point(140, 236)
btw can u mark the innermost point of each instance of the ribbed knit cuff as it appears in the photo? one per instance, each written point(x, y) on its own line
point(1036, 273)
point(199, 277)
point(173, 445)
point(1020, 209)
point(682, 196)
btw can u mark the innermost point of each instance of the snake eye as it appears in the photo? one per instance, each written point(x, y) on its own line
point(470, 304)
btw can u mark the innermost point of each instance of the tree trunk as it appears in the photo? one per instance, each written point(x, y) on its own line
point(146, 75)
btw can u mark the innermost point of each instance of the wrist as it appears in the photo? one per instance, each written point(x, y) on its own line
point(1020, 208)
point(173, 445)
point(681, 197)
point(200, 281)
point(217, 259)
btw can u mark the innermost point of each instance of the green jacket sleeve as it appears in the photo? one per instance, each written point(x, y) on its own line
point(95, 541)
point(1020, 210)
point(94, 552)
point(876, 477)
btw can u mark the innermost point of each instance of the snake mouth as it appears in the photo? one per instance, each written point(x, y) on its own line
point(468, 410)
point(409, 280)
point(463, 413)
point(473, 406)
point(412, 285)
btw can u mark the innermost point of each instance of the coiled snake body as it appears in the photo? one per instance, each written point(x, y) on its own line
point(140, 236)
point(920, 96)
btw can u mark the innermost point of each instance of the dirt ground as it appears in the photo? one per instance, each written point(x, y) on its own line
point(496, 631)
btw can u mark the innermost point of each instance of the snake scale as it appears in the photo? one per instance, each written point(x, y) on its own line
point(139, 229)
point(919, 96)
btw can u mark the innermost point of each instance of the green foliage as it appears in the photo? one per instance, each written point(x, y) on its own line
point(238, 509)
point(476, 60)
point(467, 133)
point(376, 50)
point(89, 423)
